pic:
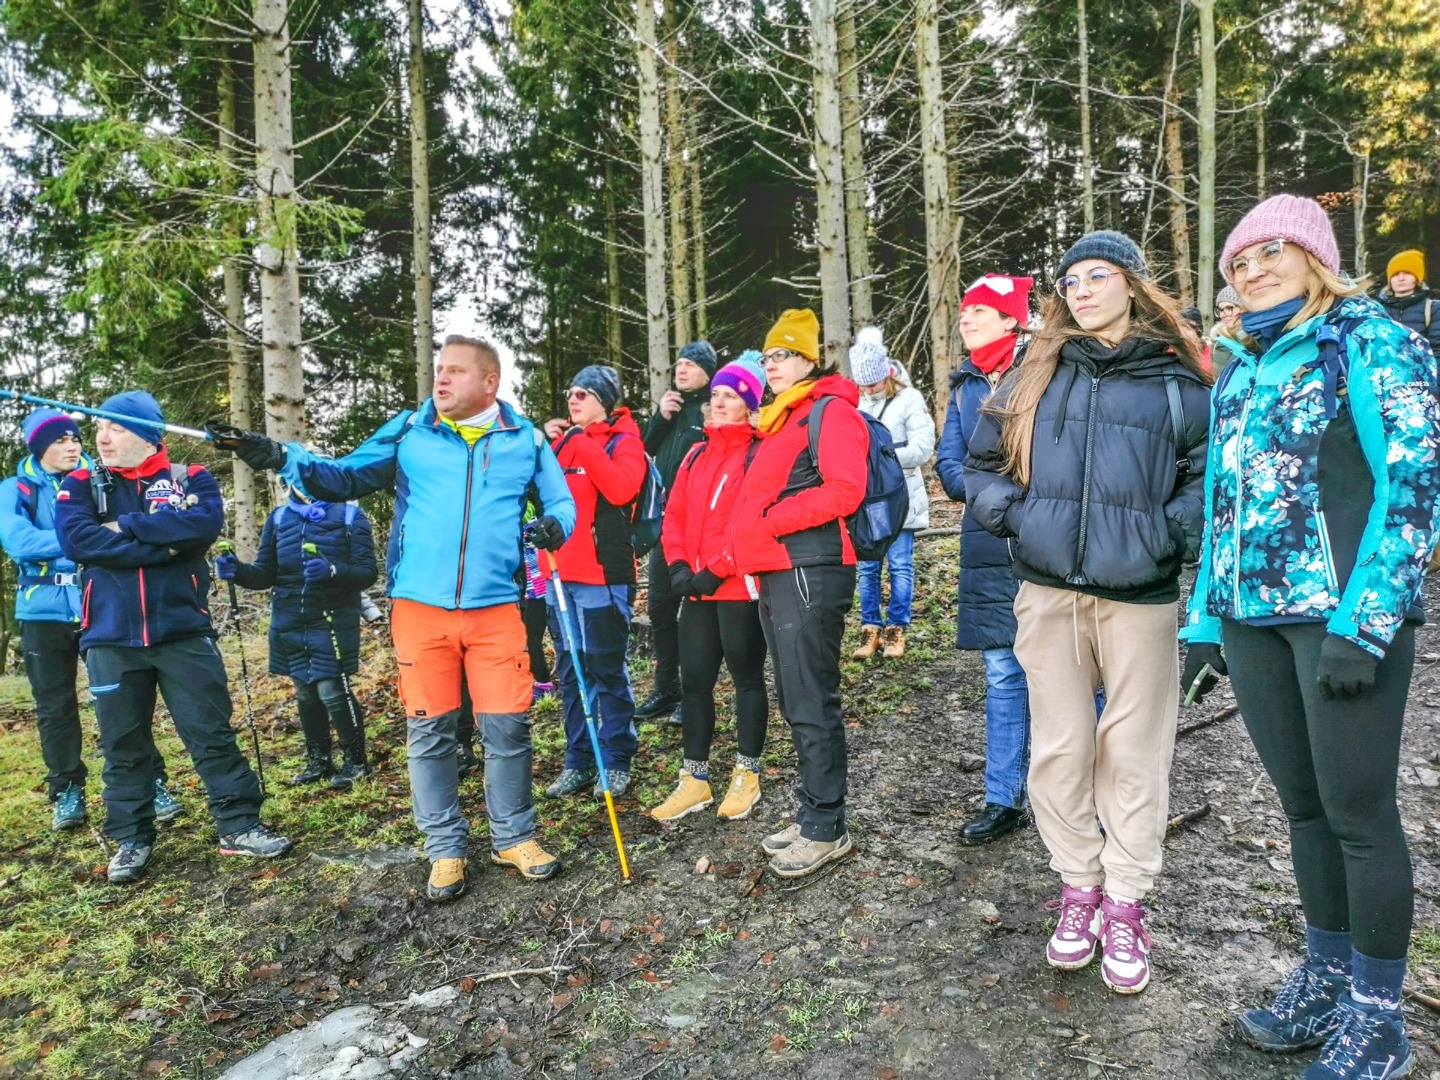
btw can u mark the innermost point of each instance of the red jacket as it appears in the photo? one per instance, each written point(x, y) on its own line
point(791, 514)
point(698, 509)
point(603, 486)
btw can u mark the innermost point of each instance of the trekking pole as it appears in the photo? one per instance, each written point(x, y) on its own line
point(103, 414)
point(225, 549)
point(311, 549)
point(567, 633)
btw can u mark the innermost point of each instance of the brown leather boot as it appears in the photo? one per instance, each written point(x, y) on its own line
point(869, 643)
point(894, 642)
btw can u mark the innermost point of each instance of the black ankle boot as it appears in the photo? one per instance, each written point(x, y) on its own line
point(659, 703)
point(355, 768)
point(318, 766)
point(995, 820)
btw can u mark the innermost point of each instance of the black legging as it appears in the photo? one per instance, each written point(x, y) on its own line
point(326, 703)
point(1334, 765)
point(729, 630)
point(533, 610)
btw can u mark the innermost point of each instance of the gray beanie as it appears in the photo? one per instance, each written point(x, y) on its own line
point(702, 353)
point(1228, 295)
point(602, 381)
point(1113, 247)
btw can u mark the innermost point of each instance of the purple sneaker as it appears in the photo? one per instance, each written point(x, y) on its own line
point(1125, 945)
point(1077, 935)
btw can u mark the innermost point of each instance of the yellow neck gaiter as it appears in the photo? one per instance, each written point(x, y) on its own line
point(774, 415)
point(471, 435)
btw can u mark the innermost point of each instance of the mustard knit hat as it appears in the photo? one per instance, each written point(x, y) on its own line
point(1412, 261)
point(797, 330)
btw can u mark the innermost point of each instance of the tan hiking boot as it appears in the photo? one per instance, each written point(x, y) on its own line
point(806, 856)
point(690, 795)
point(532, 860)
point(447, 880)
point(742, 796)
point(778, 842)
point(869, 643)
point(894, 642)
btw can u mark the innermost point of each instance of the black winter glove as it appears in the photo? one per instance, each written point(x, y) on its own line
point(545, 533)
point(1346, 670)
point(681, 579)
point(1197, 656)
point(704, 583)
point(258, 451)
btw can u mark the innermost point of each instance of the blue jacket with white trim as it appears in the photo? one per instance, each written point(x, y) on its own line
point(35, 545)
point(456, 541)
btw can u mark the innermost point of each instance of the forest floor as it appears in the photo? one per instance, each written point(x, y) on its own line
point(918, 957)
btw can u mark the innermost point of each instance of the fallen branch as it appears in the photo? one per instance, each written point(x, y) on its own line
point(496, 976)
point(1424, 999)
point(1224, 714)
point(101, 841)
point(1201, 811)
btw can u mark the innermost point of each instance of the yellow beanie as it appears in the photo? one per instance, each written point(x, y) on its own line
point(1407, 262)
point(797, 330)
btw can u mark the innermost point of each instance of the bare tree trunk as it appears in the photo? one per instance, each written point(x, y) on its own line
point(697, 240)
point(1087, 160)
point(1260, 152)
point(277, 252)
point(1179, 217)
point(1205, 292)
point(830, 186)
point(652, 192)
point(675, 151)
point(246, 533)
point(857, 225)
point(939, 231)
point(420, 188)
point(1361, 165)
point(614, 343)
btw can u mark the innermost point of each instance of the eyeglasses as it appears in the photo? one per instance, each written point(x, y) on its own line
point(1095, 280)
point(1226, 311)
point(776, 356)
point(1241, 265)
point(575, 393)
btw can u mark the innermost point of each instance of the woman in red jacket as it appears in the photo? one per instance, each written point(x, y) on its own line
point(603, 456)
point(788, 533)
point(718, 618)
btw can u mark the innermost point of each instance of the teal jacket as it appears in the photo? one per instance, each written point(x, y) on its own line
point(456, 541)
point(35, 546)
point(1314, 517)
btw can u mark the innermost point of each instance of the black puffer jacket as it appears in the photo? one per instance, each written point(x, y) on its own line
point(668, 441)
point(1111, 510)
point(1414, 311)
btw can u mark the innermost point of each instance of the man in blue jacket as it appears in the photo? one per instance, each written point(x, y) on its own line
point(462, 467)
point(141, 528)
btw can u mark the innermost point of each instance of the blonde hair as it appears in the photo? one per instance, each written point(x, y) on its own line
point(1154, 316)
point(1323, 289)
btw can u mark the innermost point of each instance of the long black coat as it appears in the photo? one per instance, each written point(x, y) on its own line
point(1114, 506)
point(300, 637)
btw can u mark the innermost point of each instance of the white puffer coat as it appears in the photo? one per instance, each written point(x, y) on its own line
point(913, 430)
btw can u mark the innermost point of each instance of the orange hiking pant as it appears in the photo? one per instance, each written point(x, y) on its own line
point(433, 647)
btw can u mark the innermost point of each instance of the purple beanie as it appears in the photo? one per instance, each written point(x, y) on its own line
point(1286, 217)
point(43, 426)
point(745, 377)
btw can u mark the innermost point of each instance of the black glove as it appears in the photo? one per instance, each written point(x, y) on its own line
point(258, 451)
point(681, 579)
point(1197, 656)
point(704, 583)
point(545, 533)
point(1346, 670)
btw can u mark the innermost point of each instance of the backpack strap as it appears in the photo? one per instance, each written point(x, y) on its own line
point(1428, 302)
point(1177, 425)
point(812, 428)
point(694, 452)
point(350, 509)
point(1334, 361)
point(750, 452)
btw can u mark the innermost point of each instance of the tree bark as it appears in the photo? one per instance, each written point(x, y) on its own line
point(277, 252)
point(1260, 152)
point(939, 232)
point(1179, 215)
point(246, 533)
point(420, 189)
point(697, 244)
point(1087, 159)
point(1361, 200)
point(1205, 291)
point(678, 193)
point(652, 196)
point(614, 342)
point(857, 225)
point(830, 186)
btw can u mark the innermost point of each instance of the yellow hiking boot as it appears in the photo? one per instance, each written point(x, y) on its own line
point(869, 643)
point(532, 860)
point(744, 793)
point(894, 642)
point(690, 795)
point(447, 879)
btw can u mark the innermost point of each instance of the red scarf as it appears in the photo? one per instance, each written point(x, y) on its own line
point(997, 356)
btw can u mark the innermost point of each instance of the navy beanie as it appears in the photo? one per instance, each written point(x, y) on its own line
point(602, 381)
point(142, 413)
point(1113, 247)
point(702, 353)
point(43, 426)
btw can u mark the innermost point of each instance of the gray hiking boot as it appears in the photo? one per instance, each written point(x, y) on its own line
point(619, 783)
point(128, 863)
point(778, 842)
point(571, 781)
point(259, 841)
point(806, 856)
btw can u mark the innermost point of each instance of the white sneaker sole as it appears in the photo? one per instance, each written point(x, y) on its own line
point(1122, 989)
point(688, 810)
point(1077, 963)
point(741, 817)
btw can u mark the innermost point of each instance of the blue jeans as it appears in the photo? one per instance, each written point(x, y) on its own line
point(901, 560)
point(1007, 728)
point(600, 615)
point(435, 779)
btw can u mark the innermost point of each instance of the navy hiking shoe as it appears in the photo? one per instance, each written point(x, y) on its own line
point(571, 781)
point(1369, 1044)
point(69, 808)
point(259, 841)
point(1306, 1011)
point(128, 863)
point(167, 807)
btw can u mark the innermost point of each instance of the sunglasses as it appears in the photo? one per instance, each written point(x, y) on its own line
point(575, 393)
point(1095, 279)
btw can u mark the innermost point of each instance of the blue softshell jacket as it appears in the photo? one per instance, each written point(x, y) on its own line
point(35, 545)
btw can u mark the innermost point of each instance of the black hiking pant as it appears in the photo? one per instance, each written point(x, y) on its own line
point(663, 606)
point(52, 656)
point(803, 613)
point(190, 676)
point(328, 703)
point(729, 631)
point(1333, 764)
point(536, 622)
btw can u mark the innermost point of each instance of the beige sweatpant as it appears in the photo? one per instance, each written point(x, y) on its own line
point(1118, 770)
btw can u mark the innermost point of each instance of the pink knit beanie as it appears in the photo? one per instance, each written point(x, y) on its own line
point(1286, 217)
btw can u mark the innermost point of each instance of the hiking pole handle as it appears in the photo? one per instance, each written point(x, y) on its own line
point(227, 548)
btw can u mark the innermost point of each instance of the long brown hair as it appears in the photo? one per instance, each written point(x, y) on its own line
point(1154, 316)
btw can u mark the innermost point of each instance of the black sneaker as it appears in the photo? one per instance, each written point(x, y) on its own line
point(128, 863)
point(659, 703)
point(259, 841)
point(1305, 1011)
point(346, 778)
point(318, 766)
point(1369, 1044)
point(675, 719)
point(995, 820)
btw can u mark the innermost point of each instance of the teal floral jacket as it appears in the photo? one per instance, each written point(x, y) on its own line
point(1310, 516)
